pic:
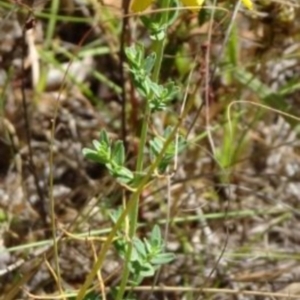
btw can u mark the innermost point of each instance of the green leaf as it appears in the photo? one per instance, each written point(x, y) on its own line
point(156, 146)
point(115, 214)
point(140, 247)
point(149, 63)
point(123, 174)
point(156, 29)
point(162, 258)
point(148, 246)
point(104, 139)
point(162, 95)
point(146, 84)
point(290, 87)
point(147, 271)
point(135, 55)
point(143, 269)
point(155, 237)
point(96, 144)
point(233, 47)
point(92, 155)
point(118, 153)
point(172, 90)
point(135, 258)
point(158, 35)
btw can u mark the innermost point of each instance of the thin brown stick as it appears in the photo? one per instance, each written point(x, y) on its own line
point(32, 168)
point(124, 40)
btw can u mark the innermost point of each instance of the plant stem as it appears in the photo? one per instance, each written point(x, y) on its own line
point(158, 49)
point(158, 45)
point(109, 239)
point(50, 32)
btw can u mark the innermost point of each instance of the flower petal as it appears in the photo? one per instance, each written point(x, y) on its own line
point(193, 3)
point(248, 4)
point(140, 5)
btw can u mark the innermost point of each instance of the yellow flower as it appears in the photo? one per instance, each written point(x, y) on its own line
point(248, 4)
point(141, 5)
point(192, 2)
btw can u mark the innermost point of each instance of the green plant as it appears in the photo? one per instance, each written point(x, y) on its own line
point(112, 156)
point(142, 257)
point(146, 255)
